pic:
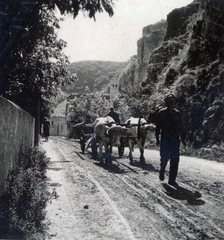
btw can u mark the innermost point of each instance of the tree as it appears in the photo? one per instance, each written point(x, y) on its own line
point(32, 64)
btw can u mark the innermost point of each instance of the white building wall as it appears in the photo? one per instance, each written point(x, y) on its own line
point(113, 90)
point(58, 126)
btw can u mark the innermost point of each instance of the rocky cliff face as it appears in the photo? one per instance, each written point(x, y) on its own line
point(152, 36)
point(136, 71)
point(187, 61)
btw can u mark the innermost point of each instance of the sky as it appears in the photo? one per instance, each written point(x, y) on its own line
point(113, 38)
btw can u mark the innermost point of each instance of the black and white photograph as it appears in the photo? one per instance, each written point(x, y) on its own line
point(112, 120)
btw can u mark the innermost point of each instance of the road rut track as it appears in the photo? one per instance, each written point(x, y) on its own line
point(154, 210)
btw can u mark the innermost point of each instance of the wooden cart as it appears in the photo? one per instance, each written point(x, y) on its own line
point(85, 133)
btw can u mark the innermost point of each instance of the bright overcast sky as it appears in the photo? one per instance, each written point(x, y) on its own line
point(113, 38)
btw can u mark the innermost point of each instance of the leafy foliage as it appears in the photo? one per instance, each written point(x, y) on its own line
point(23, 204)
point(89, 107)
point(32, 64)
point(39, 70)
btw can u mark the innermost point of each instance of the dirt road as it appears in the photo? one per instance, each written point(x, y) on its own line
point(129, 202)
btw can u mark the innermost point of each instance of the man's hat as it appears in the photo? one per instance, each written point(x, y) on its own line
point(169, 97)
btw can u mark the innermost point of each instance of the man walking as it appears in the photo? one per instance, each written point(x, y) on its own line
point(170, 126)
point(46, 129)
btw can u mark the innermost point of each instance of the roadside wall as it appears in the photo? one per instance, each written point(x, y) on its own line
point(16, 133)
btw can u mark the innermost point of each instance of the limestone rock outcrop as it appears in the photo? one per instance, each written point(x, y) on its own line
point(136, 71)
point(184, 55)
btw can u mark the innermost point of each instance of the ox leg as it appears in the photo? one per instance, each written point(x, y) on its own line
point(142, 159)
point(109, 156)
point(94, 148)
point(108, 151)
point(141, 149)
point(130, 151)
point(121, 148)
point(100, 156)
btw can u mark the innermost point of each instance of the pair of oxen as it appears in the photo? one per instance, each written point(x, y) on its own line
point(134, 131)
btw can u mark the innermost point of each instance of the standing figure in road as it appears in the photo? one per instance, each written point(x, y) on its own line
point(170, 126)
point(114, 115)
point(46, 129)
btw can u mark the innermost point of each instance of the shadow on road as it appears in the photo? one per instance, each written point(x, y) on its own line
point(120, 167)
point(112, 168)
point(181, 193)
point(145, 166)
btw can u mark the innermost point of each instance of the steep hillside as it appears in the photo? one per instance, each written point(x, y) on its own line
point(94, 75)
point(188, 61)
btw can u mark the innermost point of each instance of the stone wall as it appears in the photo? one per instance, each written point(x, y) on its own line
point(16, 133)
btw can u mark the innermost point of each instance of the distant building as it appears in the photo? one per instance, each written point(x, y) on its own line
point(113, 89)
point(58, 126)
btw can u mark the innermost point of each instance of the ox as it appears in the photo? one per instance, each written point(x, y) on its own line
point(108, 134)
point(140, 132)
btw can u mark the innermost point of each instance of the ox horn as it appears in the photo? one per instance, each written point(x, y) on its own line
point(107, 132)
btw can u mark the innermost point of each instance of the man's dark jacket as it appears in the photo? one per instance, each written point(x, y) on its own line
point(115, 116)
point(170, 126)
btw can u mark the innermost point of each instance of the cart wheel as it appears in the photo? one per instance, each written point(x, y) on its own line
point(120, 151)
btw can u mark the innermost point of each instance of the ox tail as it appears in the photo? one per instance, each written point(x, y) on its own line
point(138, 128)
